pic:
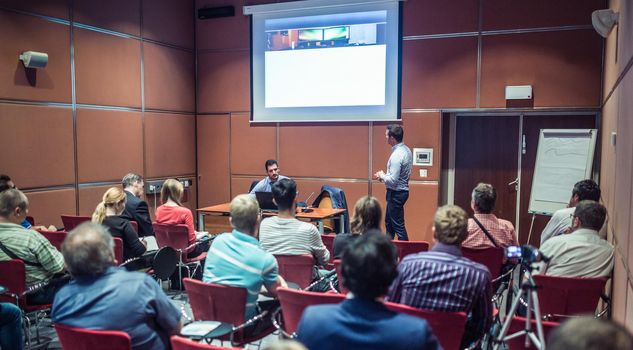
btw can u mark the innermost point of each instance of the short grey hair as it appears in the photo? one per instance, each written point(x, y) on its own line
point(130, 179)
point(11, 199)
point(244, 212)
point(88, 250)
point(484, 196)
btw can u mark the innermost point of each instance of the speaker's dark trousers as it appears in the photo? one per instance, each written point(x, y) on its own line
point(394, 216)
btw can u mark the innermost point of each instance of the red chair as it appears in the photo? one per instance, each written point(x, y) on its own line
point(293, 302)
point(179, 343)
point(13, 278)
point(492, 258)
point(72, 221)
point(118, 249)
point(296, 268)
point(31, 220)
point(561, 296)
point(215, 302)
point(72, 338)
point(328, 241)
point(448, 327)
point(134, 225)
point(339, 276)
point(177, 237)
point(410, 247)
point(55, 237)
point(518, 324)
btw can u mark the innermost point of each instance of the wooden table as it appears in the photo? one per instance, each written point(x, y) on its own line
point(316, 214)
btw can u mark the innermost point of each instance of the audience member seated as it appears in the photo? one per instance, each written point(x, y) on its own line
point(173, 213)
point(5, 184)
point(107, 213)
point(10, 327)
point(501, 231)
point(581, 253)
point(588, 333)
point(42, 261)
point(561, 220)
point(265, 185)
point(284, 234)
point(443, 280)
point(136, 209)
point(236, 259)
point(362, 321)
point(102, 296)
point(285, 345)
point(367, 217)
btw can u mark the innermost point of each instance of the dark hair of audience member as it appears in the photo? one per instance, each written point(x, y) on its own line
point(5, 181)
point(367, 215)
point(368, 266)
point(591, 214)
point(130, 179)
point(396, 131)
point(588, 333)
point(269, 163)
point(284, 193)
point(586, 190)
point(88, 250)
point(484, 196)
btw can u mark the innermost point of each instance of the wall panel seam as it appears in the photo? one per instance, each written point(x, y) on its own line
point(73, 89)
point(37, 15)
point(496, 32)
point(621, 77)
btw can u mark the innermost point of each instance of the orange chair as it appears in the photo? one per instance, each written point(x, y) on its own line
point(410, 247)
point(448, 327)
point(562, 296)
point(215, 302)
point(55, 237)
point(492, 258)
point(293, 302)
point(72, 221)
point(72, 338)
point(296, 268)
point(518, 324)
point(179, 343)
point(177, 237)
point(339, 276)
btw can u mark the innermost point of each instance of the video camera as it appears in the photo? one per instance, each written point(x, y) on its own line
point(527, 254)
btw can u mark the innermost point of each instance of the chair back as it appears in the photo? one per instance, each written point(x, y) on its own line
point(410, 247)
point(55, 237)
point(215, 302)
point(339, 276)
point(296, 268)
point(175, 236)
point(13, 278)
point(253, 184)
point(31, 220)
point(569, 295)
point(448, 327)
point(492, 258)
point(72, 338)
point(118, 249)
point(180, 343)
point(293, 302)
point(328, 242)
point(518, 324)
point(72, 221)
point(134, 225)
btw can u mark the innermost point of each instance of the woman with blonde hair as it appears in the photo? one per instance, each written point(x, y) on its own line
point(366, 218)
point(173, 213)
point(107, 213)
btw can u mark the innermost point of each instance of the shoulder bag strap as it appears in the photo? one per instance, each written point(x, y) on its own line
point(486, 232)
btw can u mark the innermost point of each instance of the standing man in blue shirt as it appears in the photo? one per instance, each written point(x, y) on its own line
point(397, 182)
point(266, 184)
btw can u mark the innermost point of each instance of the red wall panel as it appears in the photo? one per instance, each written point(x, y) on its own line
point(117, 15)
point(170, 148)
point(47, 207)
point(251, 145)
point(513, 14)
point(177, 14)
point(169, 78)
point(436, 17)
point(213, 159)
point(224, 82)
point(225, 32)
point(53, 8)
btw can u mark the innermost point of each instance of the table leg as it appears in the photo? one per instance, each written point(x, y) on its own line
point(321, 230)
point(341, 223)
point(200, 221)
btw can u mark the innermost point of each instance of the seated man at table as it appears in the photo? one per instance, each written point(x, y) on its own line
point(136, 209)
point(362, 321)
point(284, 234)
point(103, 296)
point(265, 185)
point(236, 259)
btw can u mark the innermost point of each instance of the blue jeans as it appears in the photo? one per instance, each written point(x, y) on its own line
point(10, 327)
point(394, 215)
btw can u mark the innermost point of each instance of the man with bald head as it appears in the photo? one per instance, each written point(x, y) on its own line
point(103, 296)
point(41, 260)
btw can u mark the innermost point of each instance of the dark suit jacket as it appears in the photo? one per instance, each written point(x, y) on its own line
point(363, 324)
point(137, 210)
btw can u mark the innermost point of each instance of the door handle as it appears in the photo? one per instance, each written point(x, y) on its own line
point(515, 183)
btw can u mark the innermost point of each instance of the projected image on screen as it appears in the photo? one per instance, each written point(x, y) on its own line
point(341, 65)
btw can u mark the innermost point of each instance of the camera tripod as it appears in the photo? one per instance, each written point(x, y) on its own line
point(528, 289)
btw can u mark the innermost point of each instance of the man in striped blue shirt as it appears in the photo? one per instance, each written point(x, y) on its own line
point(396, 181)
point(443, 280)
point(236, 258)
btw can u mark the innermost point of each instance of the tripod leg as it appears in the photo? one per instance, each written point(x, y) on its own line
point(539, 322)
point(507, 321)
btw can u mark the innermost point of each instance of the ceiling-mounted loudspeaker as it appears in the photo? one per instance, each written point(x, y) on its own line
point(603, 21)
point(216, 12)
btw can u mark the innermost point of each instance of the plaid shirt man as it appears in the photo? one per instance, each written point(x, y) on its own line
point(502, 231)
